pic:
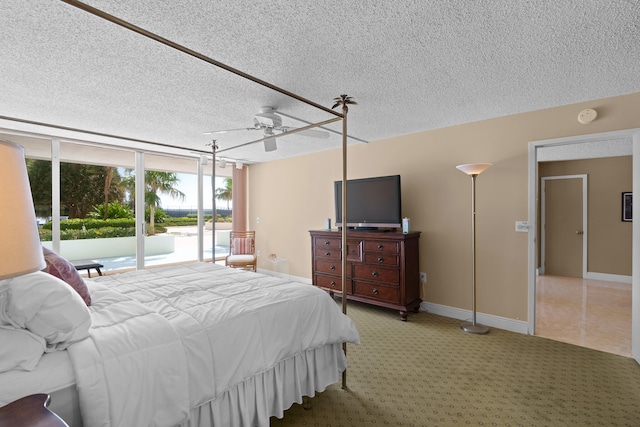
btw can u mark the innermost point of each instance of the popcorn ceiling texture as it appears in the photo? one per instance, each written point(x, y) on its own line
point(410, 65)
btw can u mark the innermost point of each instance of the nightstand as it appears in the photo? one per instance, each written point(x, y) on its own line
point(30, 411)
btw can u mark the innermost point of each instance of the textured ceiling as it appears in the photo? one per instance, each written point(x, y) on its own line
point(410, 65)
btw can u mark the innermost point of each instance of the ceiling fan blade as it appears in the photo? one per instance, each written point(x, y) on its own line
point(309, 132)
point(227, 130)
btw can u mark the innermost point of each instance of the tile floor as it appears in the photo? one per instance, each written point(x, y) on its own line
point(589, 313)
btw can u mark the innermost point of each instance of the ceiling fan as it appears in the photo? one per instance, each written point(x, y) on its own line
point(269, 122)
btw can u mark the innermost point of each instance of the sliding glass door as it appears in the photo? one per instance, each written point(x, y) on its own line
point(85, 201)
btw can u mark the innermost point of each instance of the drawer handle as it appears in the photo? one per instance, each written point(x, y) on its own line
point(375, 291)
point(380, 246)
point(380, 259)
point(333, 267)
point(326, 242)
point(327, 253)
point(332, 283)
point(374, 273)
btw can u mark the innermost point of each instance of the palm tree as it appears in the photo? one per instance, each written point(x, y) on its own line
point(155, 181)
point(344, 100)
point(225, 193)
point(163, 182)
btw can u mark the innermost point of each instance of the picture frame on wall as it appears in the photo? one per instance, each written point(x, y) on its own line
point(627, 205)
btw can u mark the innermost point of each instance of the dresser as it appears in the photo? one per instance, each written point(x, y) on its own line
point(382, 267)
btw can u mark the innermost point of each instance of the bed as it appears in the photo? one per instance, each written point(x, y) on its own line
point(192, 345)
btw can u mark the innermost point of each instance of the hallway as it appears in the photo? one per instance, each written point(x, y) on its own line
point(589, 313)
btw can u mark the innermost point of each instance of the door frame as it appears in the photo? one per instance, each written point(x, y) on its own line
point(585, 214)
point(631, 136)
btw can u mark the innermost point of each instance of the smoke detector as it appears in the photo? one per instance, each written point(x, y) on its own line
point(587, 116)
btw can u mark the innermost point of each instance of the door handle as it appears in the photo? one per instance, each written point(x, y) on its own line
point(580, 232)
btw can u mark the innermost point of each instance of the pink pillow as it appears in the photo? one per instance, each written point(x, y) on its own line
point(64, 270)
point(242, 245)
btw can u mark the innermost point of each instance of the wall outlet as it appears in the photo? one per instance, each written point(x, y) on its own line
point(423, 277)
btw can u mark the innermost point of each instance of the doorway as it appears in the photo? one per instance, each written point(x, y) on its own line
point(617, 143)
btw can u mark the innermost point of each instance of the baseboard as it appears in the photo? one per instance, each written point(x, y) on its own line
point(608, 277)
point(512, 325)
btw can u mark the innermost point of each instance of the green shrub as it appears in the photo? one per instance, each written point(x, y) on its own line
point(173, 222)
point(94, 233)
point(45, 235)
point(158, 215)
point(91, 233)
point(114, 210)
point(89, 223)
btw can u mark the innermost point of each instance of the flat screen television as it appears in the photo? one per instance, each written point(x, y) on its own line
point(372, 203)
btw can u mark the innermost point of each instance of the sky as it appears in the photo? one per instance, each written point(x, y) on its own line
point(189, 186)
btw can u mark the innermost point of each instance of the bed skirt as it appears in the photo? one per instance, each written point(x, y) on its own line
point(252, 402)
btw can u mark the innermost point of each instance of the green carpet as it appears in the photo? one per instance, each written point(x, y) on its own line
point(427, 372)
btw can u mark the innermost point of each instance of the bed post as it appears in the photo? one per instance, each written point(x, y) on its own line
point(344, 228)
point(344, 100)
point(214, 147)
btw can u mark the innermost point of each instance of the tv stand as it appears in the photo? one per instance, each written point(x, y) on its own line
point(382, 268)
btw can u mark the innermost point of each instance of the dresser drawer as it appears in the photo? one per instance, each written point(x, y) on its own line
point(327, 253)
point(329, 267)
point(376, 291)
point(381, 246)
point(333, 243)
point(381, 274)
point(329, 282)
point(354, 253)
point(387, 259)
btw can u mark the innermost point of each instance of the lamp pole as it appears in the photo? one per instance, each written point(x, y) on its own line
point(473, 170)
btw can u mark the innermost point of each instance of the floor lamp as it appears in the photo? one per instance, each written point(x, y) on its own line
point(473, 170)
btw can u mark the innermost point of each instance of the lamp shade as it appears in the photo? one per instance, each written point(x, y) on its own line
point(474, 168)
point(20, 247)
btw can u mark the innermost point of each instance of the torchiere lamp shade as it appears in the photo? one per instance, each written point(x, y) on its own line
point(20, 247)
point(474, 168)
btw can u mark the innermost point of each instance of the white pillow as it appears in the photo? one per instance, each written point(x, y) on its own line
point(20, 349)
point(46, 306)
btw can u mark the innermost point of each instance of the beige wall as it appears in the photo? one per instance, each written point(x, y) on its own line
point(609, 238)
point(293, 196)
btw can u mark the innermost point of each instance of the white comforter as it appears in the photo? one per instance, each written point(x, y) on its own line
point(169, 339)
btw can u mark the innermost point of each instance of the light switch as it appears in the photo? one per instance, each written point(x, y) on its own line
point(522, 226)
